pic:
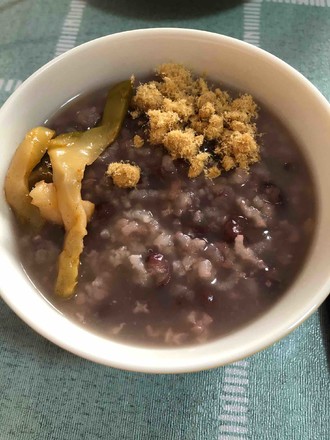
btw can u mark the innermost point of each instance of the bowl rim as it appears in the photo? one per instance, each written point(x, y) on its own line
point(160, 366)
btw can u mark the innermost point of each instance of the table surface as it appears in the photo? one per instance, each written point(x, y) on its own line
point(280, 393)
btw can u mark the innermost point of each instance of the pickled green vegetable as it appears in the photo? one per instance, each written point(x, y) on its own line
point(70, 153)
point(26, 157)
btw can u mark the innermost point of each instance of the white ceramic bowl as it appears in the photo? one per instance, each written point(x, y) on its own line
point(109, 59)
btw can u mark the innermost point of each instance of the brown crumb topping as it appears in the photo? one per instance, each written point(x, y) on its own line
point(242, 148)
point(138, 141)
point(148, 97)
point(183, 144)
point(185, 112)
point(124, 175)
point(212, 172)
point(161, 123)
point(197, 164)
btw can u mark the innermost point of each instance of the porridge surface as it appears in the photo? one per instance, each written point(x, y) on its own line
point(177, 260)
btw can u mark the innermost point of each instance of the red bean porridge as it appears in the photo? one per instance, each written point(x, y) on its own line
point(177, 260)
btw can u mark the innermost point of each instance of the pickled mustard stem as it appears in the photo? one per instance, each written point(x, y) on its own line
point(70, 153)
point(27, 156)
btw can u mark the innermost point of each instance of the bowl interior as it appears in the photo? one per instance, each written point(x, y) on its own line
point(109, 59)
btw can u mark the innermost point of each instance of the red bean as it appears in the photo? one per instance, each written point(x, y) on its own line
point(159, 268)
point(272, 194)
point(231, 229)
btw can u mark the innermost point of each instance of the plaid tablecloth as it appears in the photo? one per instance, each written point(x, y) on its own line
point(47, 393)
